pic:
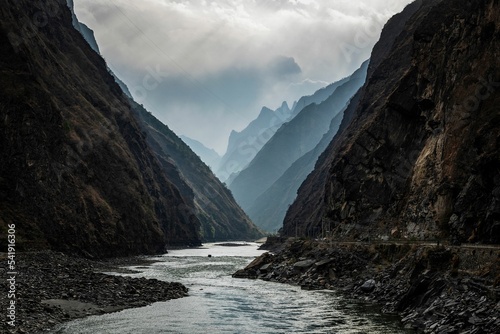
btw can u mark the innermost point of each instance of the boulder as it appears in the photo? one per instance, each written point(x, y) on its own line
point(304, 264)
point(368, 286)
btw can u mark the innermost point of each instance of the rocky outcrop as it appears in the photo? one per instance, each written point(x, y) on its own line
point(76, 172)
point(418, 156)
point(435, 289)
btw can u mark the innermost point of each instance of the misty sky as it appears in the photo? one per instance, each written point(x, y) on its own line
point(207, 67)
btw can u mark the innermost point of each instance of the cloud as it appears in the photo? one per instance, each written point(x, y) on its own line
point(282, 67)
point(230, 57)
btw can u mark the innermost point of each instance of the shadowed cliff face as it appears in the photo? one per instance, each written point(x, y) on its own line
point(206, 197)
point(209, 200)
point(418, 156)
point(76, 173)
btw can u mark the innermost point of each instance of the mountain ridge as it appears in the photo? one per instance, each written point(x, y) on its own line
point(79, 170)
point(76, 172)
point(206, 196)
point(244, 145)
point(208, 155)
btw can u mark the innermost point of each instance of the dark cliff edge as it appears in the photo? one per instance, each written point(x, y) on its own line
point(418, 156)
point(76, 172)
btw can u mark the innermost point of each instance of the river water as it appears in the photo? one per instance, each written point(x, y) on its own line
point(218, 303)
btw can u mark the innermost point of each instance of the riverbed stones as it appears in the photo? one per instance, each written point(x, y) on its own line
point(53, 288)
point(304, 264)
point(368, 286)
point(420, 283)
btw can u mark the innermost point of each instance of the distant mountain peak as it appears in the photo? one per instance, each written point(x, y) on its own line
point(243, 146)
point(265, 112)
point(299, 135)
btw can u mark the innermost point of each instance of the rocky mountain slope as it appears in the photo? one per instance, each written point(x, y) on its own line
point(293, 139)
point(212, 203)
point(207, 198)
point(78, 172)
point(418, 156)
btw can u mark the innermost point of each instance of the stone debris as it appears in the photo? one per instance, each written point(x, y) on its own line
point(423, 284)
point(368, 286)
point(53, 288)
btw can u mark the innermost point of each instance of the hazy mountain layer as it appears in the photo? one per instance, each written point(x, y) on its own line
point(213, 204)
point(243, 146)
point(207, 198)
point(292, 141)
point(269, 209)
point(319, 96)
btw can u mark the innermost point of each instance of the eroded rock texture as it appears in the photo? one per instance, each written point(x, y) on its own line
point(76, 172)
point(418, 155)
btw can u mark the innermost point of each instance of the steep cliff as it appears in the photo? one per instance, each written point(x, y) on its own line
point(206, 197)
point(211, 202)
point(76, 172)
point(418, 156)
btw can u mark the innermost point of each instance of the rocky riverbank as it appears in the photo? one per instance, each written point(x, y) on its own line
point(52, 288)
point(435, 289)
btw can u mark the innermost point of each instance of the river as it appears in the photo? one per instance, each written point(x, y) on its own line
point(218, 303)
